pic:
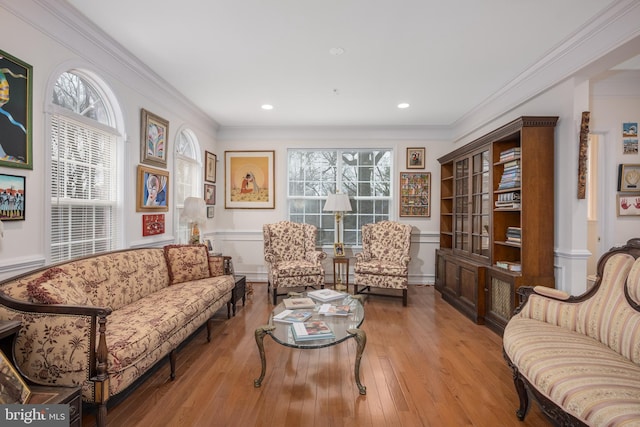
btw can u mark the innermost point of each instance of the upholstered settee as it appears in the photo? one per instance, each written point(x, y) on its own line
point(579, 357)
point(101, 322)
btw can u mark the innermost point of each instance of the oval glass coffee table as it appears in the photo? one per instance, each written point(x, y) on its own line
point(343, 327)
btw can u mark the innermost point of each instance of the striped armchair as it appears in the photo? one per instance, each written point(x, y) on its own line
point(579, 357)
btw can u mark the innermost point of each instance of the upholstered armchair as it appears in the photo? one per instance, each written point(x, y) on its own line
point(291, 256)
point(384, 260)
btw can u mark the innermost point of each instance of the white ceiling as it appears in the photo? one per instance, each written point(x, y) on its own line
point(443, 57)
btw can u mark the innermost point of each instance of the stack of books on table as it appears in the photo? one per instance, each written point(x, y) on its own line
point(335, 310)
point(509, 200)
point(514, 235)
point(290, 316)
point(325, 295)
point(510, 175)
point(296, 303)
point(314, 330)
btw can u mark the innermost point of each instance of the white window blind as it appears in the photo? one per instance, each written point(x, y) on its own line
point(187, 177)
point(83, 189)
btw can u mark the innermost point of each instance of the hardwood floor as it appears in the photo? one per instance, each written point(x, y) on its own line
point(424, 365)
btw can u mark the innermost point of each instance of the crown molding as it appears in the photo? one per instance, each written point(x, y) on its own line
point(58, 20)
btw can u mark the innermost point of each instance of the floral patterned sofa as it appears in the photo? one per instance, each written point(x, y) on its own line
point(579, 357)
point(101, 322)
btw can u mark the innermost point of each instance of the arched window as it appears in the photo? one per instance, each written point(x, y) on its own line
point(188, 177)
point(83, 169)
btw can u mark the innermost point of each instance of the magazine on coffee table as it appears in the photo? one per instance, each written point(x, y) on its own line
point(314, 330)
point(294, 303)
point(335, 310)
point(325, 295)
point(290, 316)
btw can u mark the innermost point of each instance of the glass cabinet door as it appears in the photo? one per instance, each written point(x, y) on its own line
point(480, 204)
point(461, 205)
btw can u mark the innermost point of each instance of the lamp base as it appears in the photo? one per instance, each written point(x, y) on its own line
point(340, 287)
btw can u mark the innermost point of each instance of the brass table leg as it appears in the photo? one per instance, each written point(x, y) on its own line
point(260, 333)
point(361, 339)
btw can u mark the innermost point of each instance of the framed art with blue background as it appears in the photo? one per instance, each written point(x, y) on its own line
point(15, 112)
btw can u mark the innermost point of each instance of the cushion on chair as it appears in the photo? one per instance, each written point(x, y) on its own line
point(55, 286)
point(297, 268)
point(187, 262)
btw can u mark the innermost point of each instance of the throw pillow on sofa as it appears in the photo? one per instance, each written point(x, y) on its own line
point(187, 262)
point(55, 286)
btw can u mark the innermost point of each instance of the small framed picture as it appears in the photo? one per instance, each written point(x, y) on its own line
point(210, 211)
point(154, 139)
point(415, 158)
point(210, 194)
point(210, 160)
point(13, 389)
point(12, 197)
point(338, 249)
point(628, 205)
point(209, 245)
point(629, 178)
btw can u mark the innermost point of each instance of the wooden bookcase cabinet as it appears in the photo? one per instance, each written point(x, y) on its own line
point(473, 230)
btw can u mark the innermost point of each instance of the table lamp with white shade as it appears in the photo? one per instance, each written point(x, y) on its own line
point(338, 203)
point(194, 212)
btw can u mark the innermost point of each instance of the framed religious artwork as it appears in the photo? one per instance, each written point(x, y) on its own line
point(210, 194)
point(15, 112)
point(12, 197)
point(249, 180)
point(13, 389)
point(415, 194)
point(154, 139)
point(153, 190)
point(629, 177)
point(210, 160)
point(415, 158)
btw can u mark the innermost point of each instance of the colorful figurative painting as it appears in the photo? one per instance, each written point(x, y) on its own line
point(12, 197)
point(153, 190)
point(249, 179)
point(15, 112)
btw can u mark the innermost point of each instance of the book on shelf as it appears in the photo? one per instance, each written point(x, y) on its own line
point(314, 330)
point(508, 265)
point(510, 154)
point(290, 316)
point(335, 310)
point(293, 303)
point(325, 295)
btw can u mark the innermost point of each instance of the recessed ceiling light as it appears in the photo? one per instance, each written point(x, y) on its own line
point(267, 107)
point(336, 51)
point(403, 105)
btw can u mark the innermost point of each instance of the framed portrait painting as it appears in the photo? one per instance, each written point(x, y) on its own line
point(210, 160)
point(249, 180)
point(154, 139)
point(415, 158)
point(210, 194)
point(13, 388)
point(15, 112)
point(153, 190)
point(12, 197)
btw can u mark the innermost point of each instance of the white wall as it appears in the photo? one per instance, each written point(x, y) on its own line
point(52, 44)
point(615, 100)
point(238, 232)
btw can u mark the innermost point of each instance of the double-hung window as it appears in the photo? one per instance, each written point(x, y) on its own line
point(83, 170)
point(363, 174)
